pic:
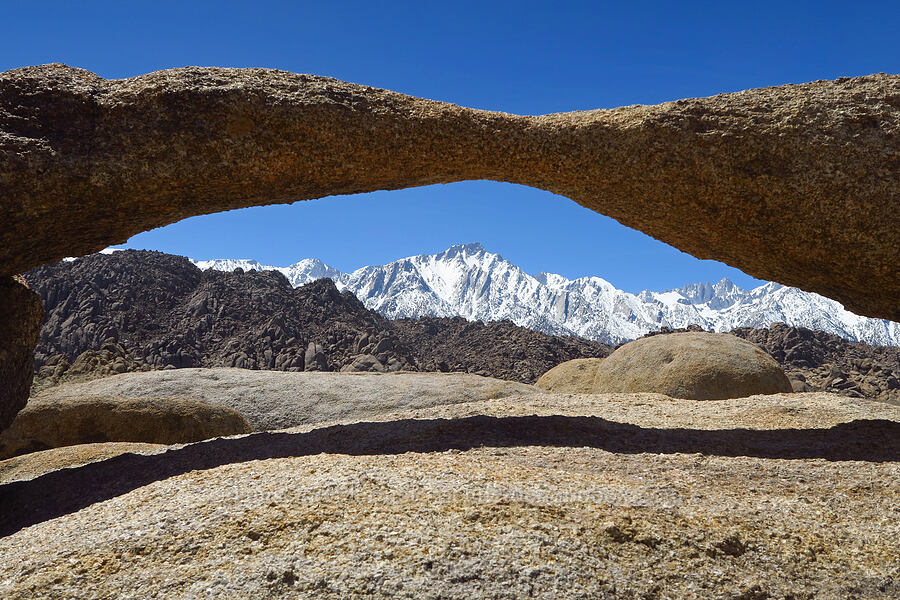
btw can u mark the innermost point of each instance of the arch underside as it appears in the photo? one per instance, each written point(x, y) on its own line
point(797, 184)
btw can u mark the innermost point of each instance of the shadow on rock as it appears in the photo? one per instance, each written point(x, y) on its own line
point(25, 503)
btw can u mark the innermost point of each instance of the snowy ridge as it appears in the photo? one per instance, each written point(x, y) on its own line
point(468, 281)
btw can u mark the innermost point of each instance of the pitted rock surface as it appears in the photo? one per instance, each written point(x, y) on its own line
point(545, 496)
point(796, 183)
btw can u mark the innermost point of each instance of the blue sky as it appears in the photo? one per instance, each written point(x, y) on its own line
point(520, 57)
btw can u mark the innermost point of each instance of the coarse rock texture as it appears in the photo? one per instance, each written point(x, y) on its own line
point(796, 183)
point(20, 322)
point(51, 423)
point(574, 376)
point(137, 310)
point(35, 464)
point(546, 496)
point(273, 400)
point(111, 359)
point(695, 365)
point(819, 361)
point(496, 349)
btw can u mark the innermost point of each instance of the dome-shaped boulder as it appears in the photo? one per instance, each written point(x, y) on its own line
point(574, 376)
point(696, 366)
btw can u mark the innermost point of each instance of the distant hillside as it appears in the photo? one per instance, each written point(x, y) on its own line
point(163, 312)
point(137, 310)
point(471, 282)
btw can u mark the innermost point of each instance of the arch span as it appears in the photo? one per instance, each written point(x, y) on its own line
point(797, 183)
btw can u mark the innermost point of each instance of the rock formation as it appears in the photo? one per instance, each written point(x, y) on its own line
point(137, 310)
point(52, 423)
point(797, 183)
point(574, 376)
point(275, 400)
point(819, 361)
point(692, 365)
point(816, 361)
point(622, 496)
point(20, 322)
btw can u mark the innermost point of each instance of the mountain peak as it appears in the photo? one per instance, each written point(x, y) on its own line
point(471, 248)
point(469, 281)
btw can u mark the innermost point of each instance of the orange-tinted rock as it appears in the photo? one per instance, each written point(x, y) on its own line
point(796, 183)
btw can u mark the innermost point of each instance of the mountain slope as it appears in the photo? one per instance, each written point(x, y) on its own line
point(468, 281)
point(149, 310)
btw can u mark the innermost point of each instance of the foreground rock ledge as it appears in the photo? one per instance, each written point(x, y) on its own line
point(546, 496)
point(797, 183)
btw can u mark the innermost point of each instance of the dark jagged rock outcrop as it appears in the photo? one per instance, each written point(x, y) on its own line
point(816, 361)
point(796, 183)
point(496, 349)
point(137, 310)
point(819, 361)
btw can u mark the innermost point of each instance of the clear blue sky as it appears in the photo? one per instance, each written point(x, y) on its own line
point(520, 57)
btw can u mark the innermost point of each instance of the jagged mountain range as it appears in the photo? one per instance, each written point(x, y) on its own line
point(469, 281)
point(140, 310)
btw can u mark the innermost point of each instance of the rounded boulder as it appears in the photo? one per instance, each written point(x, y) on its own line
point(45, 424)
point(574, 376)
point(692, 365)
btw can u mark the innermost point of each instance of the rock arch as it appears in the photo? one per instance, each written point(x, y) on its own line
point(797, 183)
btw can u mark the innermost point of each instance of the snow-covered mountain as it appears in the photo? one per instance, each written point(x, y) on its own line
point(468, 281)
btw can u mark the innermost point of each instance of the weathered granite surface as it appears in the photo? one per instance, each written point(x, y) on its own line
point(796, 183)
point(57, 422)
point(694, 364)
point(542, 496)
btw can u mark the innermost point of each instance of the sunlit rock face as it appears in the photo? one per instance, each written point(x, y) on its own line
point(797, 183)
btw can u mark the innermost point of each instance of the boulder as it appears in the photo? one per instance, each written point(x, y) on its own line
point(574, 376)
point(21, 313)
point(272, 400)
point(695, 366)
point(111, 359)
point(35, 464)
point(314, 357)
point(53, 423)
point(364, 363)
point(795, 183)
